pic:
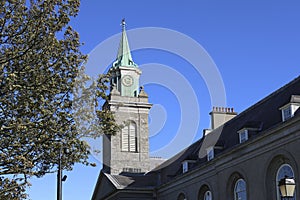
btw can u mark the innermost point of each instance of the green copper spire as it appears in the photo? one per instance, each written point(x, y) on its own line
point(124, 55)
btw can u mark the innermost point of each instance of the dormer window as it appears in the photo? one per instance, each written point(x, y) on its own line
point(210, 153)
point(249, 129)
point(185, 166)
point(287, 113)
point(288, 110)
point(243, 135)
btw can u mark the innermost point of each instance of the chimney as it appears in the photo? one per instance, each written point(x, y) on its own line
point(221, 115)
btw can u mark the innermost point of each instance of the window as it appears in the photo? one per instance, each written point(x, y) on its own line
point(240, 192)
point(285, 170)
point(129, 138)
point(287, 113)
point(210, 153)
point(243, 135)
point(181, 196)
point(207, 195)
point(185, 166)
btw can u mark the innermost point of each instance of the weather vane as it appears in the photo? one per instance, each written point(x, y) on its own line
point(123, 23)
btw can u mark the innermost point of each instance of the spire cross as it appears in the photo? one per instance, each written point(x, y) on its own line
point(123, 23)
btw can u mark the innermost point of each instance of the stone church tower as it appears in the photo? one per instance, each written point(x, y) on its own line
point(128, 150)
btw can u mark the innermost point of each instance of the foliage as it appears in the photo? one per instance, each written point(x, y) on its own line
point(106, 118)
point(16, 190)
point(91, 116)
point(39, 62)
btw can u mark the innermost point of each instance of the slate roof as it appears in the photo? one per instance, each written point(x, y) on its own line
point(266, 113)
point(132, 181)
point(261, 116)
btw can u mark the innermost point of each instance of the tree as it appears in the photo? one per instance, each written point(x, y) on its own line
point(39, 62)
point(90, 111)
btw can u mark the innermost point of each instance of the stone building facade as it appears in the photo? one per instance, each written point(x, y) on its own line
point(242, 157)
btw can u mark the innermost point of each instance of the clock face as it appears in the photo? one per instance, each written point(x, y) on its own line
point(127, 80)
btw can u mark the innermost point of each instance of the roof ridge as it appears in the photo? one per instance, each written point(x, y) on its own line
point(266, 98)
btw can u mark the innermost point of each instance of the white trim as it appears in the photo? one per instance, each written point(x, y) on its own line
point(210, 153)
point(235, 189)
point(185, 166)
point(293, 107)
point(245, 133)
point(277, 177)
point(207, 195)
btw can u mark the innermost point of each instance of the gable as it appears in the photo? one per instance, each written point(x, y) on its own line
point(103, 187)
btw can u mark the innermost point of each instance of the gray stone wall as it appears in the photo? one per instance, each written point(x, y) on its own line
point(128, 109)
point(256, 161)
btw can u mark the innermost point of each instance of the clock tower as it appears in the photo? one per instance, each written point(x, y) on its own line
point(128, 150)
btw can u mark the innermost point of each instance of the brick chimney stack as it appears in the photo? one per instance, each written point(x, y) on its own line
point(221, 115)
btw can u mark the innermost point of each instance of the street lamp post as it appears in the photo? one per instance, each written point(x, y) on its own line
point(60, 178)
point(287, 188)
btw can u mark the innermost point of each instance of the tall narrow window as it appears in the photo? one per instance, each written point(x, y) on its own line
point(132, 138)
point(129, 138)
point(125, 138)
point(205, 193)
point(185, 167)
point(240, 191)
point(210, 153)
point(181, 197)
point(285, 170)
point(208, 195)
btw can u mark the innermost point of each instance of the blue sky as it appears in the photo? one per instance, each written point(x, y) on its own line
point(254, 45)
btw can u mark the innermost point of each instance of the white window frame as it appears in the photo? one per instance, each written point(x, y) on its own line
point(287, 113)
point(210, 153)
point(185, 166)
point(237, 192)
point(181, 196)
point(207, 195)
point(129, 140)
point(243, 135)
point(289, 110)
point(125, 138)
point(282, 175)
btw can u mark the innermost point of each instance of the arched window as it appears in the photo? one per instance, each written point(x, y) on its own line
point(240, 191)
point(284, 170)
point(129, 138)
point(207, 195)
point(181, 196)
